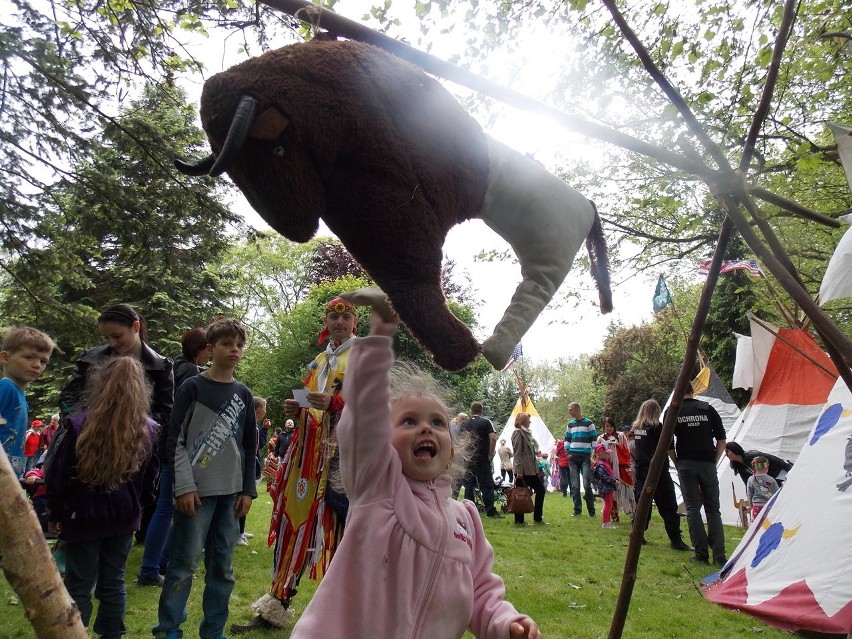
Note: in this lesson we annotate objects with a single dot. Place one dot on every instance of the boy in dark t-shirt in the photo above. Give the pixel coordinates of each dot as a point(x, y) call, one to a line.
point(211, 444)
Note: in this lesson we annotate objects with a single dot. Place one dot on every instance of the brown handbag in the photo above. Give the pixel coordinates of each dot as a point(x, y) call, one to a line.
point(519, 500)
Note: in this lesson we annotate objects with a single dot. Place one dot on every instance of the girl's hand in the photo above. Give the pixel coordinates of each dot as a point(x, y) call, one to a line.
point(383, 321)
point(526, 628)
point(381, 326)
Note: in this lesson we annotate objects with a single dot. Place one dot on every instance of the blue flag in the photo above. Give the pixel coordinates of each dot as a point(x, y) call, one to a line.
point(662, 297)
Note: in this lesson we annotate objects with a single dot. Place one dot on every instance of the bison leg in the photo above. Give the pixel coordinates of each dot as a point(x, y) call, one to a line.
point(400, 247)
point(545, 221)
point(426, 314)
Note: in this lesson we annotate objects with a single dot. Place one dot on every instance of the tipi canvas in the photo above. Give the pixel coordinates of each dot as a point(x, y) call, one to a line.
point(792, 568)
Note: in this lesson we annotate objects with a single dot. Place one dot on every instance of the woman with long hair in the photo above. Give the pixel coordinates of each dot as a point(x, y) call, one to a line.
point(525, 465)
point(741, 463)
point(103, 471)
point(646, 431)
point(195, 351)
point(126, 333)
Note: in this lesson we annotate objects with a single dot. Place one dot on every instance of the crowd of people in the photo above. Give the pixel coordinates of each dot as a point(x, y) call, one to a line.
point(177, 448)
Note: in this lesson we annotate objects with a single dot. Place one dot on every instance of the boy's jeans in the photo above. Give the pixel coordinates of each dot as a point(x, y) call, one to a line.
point(155, 555)
point(215, 530)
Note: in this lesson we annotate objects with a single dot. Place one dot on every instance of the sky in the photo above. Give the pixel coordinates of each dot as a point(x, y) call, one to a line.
point(560, 332)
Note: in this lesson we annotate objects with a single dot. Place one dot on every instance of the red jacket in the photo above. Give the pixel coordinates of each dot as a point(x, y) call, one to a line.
point(31, 443)
point(561, 455)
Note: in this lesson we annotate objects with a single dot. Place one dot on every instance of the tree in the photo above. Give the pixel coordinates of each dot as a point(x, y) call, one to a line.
point(123, 232)
point(574, 381)
point(498, 393)
point(329, 260)
point(271, 275)
point(66, 67)
point(638, 363)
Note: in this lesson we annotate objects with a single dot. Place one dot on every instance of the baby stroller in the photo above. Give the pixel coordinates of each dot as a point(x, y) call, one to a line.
point(499, 496)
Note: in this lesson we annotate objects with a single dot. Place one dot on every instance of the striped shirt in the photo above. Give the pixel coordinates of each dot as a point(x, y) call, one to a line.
point(580, 436)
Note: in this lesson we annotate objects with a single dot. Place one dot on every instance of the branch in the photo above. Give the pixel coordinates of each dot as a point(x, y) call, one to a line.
point(769, 86)
point(673, 95)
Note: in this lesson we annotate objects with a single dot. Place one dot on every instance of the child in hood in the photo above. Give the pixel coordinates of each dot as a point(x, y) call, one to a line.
point(604, 481)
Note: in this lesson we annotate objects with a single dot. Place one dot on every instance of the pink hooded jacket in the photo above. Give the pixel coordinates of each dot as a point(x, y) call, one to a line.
point(413, 563)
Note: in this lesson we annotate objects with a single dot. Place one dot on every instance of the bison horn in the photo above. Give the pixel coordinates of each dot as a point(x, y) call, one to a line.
point(202, 167)
point(237, 134)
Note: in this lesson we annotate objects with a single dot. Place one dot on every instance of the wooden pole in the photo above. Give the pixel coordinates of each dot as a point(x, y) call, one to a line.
point(28, 566)
point(643, 507)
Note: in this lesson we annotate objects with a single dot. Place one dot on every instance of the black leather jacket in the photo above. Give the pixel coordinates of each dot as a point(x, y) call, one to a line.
point(157, 368)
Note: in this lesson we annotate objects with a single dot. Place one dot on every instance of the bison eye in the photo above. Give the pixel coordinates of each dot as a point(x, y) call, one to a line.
point(278, 150)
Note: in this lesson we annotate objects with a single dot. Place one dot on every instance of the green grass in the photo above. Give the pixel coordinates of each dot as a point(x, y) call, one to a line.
point(565, 575)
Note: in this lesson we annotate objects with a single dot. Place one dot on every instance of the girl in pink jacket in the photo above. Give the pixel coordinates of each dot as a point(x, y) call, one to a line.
point(413, 562)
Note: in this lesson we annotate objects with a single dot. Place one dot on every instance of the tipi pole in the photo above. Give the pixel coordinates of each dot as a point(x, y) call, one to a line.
point(643, 506)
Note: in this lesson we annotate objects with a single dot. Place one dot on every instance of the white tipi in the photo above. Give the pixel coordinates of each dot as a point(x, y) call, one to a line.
point(792, 567)
point(542, 435)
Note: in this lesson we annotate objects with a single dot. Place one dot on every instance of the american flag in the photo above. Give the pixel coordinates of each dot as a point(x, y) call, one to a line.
point(517, 353)
point(734, 265)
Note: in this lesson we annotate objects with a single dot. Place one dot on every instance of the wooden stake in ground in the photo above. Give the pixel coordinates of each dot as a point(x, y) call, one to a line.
point(28, 566)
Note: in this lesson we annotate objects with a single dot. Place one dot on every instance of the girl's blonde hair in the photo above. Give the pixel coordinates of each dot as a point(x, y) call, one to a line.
point(519, 418)
point(115, 440)
point(649, 413)
point(409, 380)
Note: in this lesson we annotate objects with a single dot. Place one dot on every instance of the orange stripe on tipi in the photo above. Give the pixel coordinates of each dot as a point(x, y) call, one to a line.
point(792, 378)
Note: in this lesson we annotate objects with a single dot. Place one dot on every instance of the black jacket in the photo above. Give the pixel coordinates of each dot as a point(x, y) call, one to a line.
point(184, 368)
point(158, 369)
point(88, 513)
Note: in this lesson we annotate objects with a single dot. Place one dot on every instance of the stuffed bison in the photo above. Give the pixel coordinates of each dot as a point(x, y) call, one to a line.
point(346, 132)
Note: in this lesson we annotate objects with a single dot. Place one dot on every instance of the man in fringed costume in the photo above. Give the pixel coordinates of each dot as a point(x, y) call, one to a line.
point(308, 513)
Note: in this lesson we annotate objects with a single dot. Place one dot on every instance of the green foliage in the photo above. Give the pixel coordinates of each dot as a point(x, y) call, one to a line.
point(274, 364)
point(499, 393)
point(122, 229)
point(573, 380)
point(638, 363)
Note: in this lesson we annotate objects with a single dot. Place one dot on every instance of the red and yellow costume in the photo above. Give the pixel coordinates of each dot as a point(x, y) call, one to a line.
point(305, 528)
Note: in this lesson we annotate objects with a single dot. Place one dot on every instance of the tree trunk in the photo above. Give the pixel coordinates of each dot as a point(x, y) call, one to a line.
point(28, 565)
